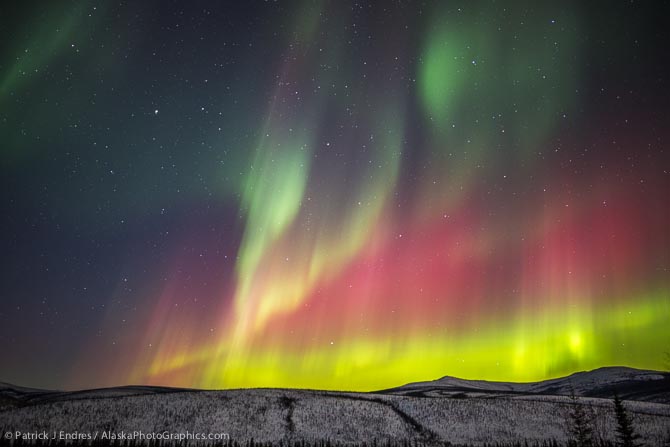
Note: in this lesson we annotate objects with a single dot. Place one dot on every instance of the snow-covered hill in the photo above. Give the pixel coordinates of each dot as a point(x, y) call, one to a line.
point(484, 413)
point(628, 383)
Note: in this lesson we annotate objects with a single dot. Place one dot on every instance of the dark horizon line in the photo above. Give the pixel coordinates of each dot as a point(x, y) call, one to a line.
point(191, 389)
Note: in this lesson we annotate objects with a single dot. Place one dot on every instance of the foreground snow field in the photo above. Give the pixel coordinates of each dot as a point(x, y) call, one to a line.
point(431, 412)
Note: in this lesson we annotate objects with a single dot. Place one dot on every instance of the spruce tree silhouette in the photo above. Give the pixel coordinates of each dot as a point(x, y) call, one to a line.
point(625, 432)
point(580, 423)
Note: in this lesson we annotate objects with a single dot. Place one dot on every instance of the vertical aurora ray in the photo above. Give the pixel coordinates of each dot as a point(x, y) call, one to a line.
point(273, 196)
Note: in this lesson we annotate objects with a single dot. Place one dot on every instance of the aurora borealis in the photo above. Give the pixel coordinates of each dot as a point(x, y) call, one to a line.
point(332, 195)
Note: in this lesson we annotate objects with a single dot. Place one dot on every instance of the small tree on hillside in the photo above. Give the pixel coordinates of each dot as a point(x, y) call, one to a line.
point(580, 423)
point(625, 433)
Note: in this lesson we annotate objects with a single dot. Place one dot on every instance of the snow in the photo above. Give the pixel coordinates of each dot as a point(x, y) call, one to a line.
point(485, 412)
point(275, 415)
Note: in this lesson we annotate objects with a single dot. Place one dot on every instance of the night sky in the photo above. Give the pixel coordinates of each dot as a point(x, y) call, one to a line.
point(336, 195)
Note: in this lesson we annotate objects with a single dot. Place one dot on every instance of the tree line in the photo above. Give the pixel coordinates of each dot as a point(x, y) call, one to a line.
point(581, 426)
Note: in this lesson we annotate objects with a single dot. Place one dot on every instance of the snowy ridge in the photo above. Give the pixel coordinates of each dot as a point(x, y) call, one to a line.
point(629, 383)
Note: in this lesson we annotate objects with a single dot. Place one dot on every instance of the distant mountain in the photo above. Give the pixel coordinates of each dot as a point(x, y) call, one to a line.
point(17, 395)
point(628, 383)
point(9, 388)
point(12, 394)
